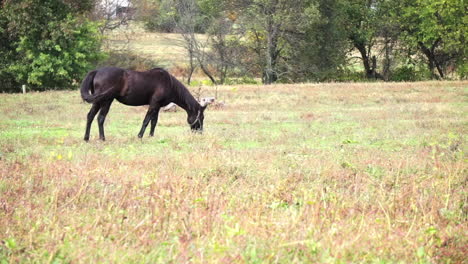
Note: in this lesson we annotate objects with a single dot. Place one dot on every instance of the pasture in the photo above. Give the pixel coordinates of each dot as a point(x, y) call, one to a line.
point(305, 173)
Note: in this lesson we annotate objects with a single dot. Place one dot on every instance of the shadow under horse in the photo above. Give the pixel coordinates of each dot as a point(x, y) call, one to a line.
point(156, 88)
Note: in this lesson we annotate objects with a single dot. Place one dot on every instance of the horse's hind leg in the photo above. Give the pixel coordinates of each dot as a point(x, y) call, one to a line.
point(152, 114)
point(154, 121)
point(102, 116)
point(91, 114)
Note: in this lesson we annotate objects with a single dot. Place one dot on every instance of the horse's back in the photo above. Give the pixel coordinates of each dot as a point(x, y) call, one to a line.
point(110, 71)
point(140, 88)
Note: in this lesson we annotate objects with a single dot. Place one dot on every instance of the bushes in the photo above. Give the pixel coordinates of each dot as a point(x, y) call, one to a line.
point(409, 73)
point(404, 73)
point(50, 46)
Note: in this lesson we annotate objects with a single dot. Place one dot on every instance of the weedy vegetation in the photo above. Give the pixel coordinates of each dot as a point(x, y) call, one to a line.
point(305, 173)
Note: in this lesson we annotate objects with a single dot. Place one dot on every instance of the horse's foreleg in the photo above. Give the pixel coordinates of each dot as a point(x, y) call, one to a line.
point(152, 111)
point(154, 121)
point(101, 117)
point(91, 114)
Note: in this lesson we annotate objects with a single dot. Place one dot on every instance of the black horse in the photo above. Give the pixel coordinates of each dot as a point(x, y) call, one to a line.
point(156, 88)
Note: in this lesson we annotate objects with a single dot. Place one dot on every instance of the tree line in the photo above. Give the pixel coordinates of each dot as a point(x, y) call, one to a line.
point(51, 44)
point(320, 40)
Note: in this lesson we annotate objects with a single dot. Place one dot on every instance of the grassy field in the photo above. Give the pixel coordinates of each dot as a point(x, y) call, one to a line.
point(310, 173)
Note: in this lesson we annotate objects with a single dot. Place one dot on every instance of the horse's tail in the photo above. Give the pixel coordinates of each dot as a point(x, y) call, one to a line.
point(87, 90)
point(87, 86)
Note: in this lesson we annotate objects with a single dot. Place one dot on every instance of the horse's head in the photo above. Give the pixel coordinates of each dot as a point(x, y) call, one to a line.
point(195, 119)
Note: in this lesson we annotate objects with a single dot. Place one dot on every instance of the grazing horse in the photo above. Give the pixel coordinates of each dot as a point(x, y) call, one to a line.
point(156, 88)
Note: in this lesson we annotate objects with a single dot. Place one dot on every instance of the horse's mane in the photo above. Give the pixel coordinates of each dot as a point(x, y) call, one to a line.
point(183, 94)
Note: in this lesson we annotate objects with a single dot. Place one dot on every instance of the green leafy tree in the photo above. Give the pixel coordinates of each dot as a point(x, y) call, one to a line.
point(360, 23)
point(226, 54)
point(389, 34)
point(164, 16)
point(7, 54)
point(51, 44)
point(272, 29)
point(157, 15)
point(322, 49)
point(438, 29)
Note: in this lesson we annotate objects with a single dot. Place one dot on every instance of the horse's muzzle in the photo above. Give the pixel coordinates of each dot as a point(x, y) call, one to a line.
point(197, 130)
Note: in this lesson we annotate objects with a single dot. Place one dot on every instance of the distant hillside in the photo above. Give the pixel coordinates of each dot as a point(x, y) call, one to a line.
point(164, 48)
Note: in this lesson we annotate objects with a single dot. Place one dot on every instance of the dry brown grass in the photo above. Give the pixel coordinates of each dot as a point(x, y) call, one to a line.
point(164, 48)
point(310, 173)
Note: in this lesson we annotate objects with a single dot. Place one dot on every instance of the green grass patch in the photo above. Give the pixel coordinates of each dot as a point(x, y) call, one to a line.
point(310, 173)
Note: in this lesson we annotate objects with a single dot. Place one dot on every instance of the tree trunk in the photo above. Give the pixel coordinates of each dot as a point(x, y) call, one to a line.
point(370, 63)
point(205, 70)
point(270, 73)
point(192, 67)
point(222, 47)
point(373, 74)
point(432, 61)
point(439, 68)
point(387, 60)
point(365, 59)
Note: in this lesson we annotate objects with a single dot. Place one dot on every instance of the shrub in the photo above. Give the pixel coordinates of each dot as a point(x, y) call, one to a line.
point(409, 73)
point(50, 47)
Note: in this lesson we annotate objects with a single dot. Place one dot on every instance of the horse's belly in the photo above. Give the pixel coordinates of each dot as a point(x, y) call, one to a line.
point(133, 100)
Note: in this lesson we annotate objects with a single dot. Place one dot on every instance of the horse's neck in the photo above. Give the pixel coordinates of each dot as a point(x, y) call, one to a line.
point(187, 101)
point(190, 109)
